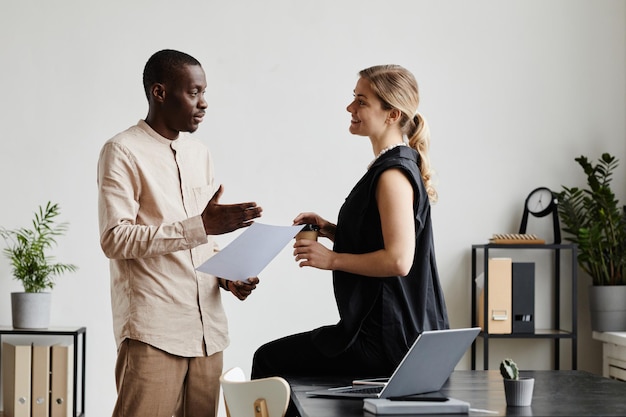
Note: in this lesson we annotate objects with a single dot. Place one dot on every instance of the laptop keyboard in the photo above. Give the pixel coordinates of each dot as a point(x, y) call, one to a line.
point(365, 390)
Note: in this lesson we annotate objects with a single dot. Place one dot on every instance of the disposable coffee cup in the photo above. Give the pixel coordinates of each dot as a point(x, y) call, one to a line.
point(309, 231)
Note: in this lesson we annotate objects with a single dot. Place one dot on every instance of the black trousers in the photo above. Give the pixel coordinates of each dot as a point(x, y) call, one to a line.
point(296, 355)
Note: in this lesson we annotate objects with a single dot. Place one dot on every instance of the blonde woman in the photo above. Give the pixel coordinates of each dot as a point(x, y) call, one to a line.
point(385, 276)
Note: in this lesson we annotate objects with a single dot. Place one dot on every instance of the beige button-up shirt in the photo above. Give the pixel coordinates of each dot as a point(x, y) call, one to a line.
point(151, 192)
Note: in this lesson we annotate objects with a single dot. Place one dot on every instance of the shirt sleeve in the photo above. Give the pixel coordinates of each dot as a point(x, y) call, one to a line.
point(119, 187)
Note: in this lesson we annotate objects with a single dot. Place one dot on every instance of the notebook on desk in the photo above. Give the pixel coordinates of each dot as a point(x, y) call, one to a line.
point(425, 368)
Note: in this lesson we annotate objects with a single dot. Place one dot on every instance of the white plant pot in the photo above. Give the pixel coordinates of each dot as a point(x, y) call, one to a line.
point(519, 392)
point(30, 310)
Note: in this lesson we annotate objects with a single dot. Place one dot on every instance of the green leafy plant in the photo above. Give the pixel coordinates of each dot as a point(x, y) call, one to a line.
point(593, 219)
point(27, 250)
point(508, 369)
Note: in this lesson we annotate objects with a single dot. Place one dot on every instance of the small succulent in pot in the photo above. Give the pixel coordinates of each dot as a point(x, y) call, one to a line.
point(518, 391)
point(509, 369)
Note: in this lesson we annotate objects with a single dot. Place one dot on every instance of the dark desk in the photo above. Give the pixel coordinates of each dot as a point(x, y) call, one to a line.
point(556, 393)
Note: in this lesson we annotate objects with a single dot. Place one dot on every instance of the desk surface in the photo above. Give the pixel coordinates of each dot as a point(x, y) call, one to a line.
point(556, 393)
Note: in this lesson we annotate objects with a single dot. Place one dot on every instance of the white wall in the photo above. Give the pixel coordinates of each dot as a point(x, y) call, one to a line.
point(513, 91)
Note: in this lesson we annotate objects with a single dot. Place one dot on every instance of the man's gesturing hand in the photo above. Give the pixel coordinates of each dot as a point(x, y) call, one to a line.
point(224, 218)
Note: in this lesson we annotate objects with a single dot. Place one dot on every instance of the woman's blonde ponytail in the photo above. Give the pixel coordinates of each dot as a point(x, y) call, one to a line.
point(396, 87)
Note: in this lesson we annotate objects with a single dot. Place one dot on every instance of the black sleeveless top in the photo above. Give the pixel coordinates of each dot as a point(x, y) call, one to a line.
point(408, 305)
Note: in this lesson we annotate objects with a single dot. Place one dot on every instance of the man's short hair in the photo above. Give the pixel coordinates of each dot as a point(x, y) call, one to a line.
point(163, 66)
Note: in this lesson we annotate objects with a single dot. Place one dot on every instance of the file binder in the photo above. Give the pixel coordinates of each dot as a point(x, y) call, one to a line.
point(523, 297)
point(499, 305)
point(61, 380)
point(40, 393)
point(16, 367)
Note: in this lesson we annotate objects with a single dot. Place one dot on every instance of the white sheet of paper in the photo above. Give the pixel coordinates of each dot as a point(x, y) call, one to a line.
point(250, 252)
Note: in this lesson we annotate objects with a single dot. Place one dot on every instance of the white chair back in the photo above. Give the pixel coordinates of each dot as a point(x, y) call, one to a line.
point(267, 397)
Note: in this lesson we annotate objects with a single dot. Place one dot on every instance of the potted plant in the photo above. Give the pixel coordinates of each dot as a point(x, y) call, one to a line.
point(518, 391)
point(26, 249)
point(593, 219)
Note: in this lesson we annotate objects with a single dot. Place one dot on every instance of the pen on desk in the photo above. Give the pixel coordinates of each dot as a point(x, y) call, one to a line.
point(434, 399)
point(480, 410)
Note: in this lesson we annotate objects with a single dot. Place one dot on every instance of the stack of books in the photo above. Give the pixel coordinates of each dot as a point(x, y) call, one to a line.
point(516, 239)
point(382, 406)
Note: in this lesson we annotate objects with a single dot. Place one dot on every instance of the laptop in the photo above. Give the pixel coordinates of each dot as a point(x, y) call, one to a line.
point(424, 369)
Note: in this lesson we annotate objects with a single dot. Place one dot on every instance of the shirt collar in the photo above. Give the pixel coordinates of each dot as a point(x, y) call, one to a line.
point(162, 139)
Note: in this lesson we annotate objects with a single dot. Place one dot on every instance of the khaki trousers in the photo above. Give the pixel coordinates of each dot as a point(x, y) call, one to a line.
point(154, 383)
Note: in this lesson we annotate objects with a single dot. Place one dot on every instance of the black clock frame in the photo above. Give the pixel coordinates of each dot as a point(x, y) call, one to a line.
point(552, 208)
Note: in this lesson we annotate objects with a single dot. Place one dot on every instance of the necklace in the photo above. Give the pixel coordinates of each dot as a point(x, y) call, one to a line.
point(384, 151)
